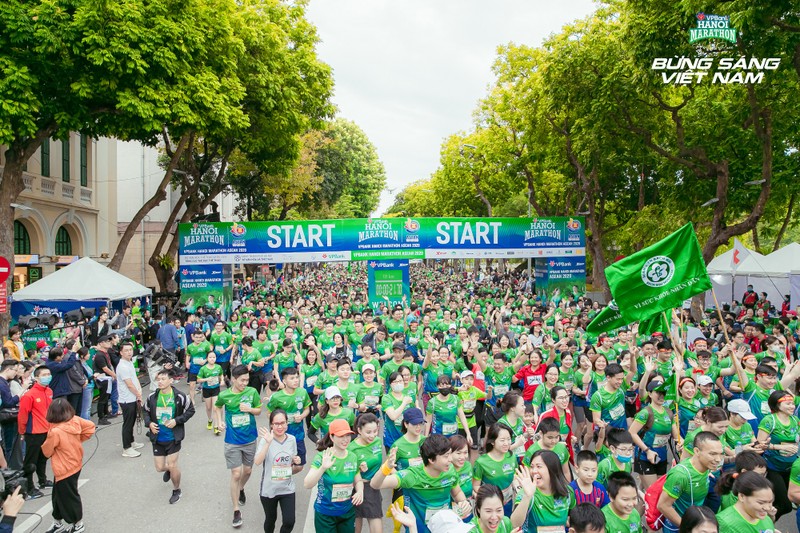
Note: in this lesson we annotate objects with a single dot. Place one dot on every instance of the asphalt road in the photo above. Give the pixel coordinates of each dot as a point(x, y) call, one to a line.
point(127, 495)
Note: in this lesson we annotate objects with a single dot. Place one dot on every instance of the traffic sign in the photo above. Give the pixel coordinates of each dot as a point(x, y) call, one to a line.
point(5, 269)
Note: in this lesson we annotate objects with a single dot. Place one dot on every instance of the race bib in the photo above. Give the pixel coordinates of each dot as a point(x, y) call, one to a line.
point(213, 381)
point(163, 414)
point(449, 429)
point(659, 441)
point(550, 529)
point(500, 390)
point(765, 408)
point(341, 492)
point(617, 411)
point(469, 405)
point(568, 385)
point(430, 511)
point(240, 420)
point(479, 376)
point(197, 360)
point(281, 473)
point(519, 451)
point(692, 425)
point(415, 461)
point(311, 380)
point(220, 349)
point(371, 400)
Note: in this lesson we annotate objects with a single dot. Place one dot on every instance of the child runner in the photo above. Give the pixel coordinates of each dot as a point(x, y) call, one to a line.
point(210, 377)
point(621, 514)
point(585, 484)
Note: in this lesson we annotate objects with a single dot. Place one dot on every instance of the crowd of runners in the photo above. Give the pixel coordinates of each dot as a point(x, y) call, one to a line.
point(476, 406)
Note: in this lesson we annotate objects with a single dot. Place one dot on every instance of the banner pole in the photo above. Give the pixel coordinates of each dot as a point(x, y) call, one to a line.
point(719, 312)
point(677, 378)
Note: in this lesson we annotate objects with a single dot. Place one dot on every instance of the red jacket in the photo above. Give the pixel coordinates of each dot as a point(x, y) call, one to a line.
point(552, 413)
point(530, 380)
point(33, 406)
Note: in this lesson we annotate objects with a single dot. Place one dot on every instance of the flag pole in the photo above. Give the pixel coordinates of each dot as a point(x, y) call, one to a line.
point(719, 312)
point(677, 397)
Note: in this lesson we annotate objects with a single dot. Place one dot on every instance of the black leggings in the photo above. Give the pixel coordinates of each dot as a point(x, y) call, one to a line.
point(270, 505)
point(780, 484)
point(67, 504)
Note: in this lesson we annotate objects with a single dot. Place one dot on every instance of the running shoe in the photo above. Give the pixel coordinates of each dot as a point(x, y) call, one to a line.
point(237, 519)
point(210, 425)
point(242, 498)
point(166, 477)
point(176, 495)
point(217, 431)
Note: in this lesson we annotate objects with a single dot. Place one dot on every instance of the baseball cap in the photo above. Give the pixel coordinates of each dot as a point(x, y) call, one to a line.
point(40, 344)
point(741, 408)
point(447, 521)
point(332, 392)
point(654, 385)
point(536, 323)
point(704, 380)
point(399, 346)
point(466, 373)
point(413, 416)
point(452, 326)
point(366, 367)
point(340, 427)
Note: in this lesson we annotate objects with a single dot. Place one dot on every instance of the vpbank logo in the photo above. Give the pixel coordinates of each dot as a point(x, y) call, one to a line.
point(658, 271)
point(238, 230)
point(712, 27)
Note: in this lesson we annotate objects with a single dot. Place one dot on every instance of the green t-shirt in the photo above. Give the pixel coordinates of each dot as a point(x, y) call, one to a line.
point(465, 478)
point(686, 485)
point(617, 524)
point(265, 347)
point(197, 355)
point(359, 365)
point(547, 510)
point(541, 399)
point(210, 371)
point(323, 424)
point(372, 454)
point(497, 473)
point(389, 367)
point(517, 429)
point(325, 380)
point(336, 486)
point(732, 519)
point(165, 411)
point(240, 428)
point(560, 450)
point(221, 341)
point(657, 437)
point(370, 395)
point(737, 438)
point(610, 405)
point(469, 400)
point(294, 404)
point(445, 414)
point(253, 356)
point(425, 495)
point(408, 453)
point(780, 433)
point(499, 382)
point(608, 466)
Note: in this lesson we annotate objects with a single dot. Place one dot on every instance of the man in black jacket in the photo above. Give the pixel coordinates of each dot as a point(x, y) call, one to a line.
point(165, 413)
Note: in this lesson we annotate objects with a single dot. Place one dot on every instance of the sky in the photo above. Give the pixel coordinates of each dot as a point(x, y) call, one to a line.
point(410, 73)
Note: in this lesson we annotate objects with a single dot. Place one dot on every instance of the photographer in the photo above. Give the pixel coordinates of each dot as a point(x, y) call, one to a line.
point(158, 359)
point(11, 507)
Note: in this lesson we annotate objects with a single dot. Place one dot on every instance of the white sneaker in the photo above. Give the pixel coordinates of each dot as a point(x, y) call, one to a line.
point(130, 452)
point(137, 445)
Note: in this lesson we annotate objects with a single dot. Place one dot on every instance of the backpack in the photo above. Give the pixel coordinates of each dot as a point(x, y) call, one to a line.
point(653, 517)
point(650, 419)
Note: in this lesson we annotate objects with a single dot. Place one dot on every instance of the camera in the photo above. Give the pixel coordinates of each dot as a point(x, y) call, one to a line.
point(10, 480)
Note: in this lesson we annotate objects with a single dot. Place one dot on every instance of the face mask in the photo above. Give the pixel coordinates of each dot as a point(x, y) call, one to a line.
point(444, 391)
point(45, 381)
point(624, 458)
point(776, 348)
point(397, 387)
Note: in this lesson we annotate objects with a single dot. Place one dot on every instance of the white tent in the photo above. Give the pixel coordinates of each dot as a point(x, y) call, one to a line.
point(84, 279)
point(768, 274)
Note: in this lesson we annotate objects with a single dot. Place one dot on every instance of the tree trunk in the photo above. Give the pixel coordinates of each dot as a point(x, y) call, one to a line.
point(477, 180)
point(163, 275)
point(159, 196)
point(11, 186)
point(756, 241)
point(786, 220)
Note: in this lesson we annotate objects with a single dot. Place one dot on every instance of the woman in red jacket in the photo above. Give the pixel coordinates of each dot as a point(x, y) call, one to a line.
point(561, 412)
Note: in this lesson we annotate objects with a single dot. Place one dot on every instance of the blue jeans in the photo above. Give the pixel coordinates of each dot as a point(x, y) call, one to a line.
point(114, 398)
point(86, 403)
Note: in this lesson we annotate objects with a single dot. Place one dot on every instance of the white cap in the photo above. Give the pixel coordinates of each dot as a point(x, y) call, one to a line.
point(466, 373)
point(452, 326)
point(332, 392)
point(368, 366)
point(447, 521)
point(741, 408)
point(704, 380)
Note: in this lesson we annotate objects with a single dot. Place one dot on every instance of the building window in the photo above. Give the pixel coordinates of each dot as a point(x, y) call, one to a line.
point(22, 241)
point(84, 158)
point(65, 160)
point(45, 154)
point(63, 242)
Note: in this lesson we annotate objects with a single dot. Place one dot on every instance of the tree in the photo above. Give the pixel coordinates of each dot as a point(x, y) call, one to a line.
point(119, 69)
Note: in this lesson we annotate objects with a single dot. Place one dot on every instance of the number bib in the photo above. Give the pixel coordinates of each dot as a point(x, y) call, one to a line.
point(550, 529)
point(430, 511)
point(213, 381)
point(508, 493)
point(241, 420)
point(469, 405)
point(519, 451)
point(659, 441)
point(371, 400)
point(415, 461)
point(341, 492)
point(311, 380)
point(198, 360)
point(219, 349)
point(692, 425)
point(617, 411)
point(500, 390)
point(281, 473)
point(163, 413)
point(449, 429)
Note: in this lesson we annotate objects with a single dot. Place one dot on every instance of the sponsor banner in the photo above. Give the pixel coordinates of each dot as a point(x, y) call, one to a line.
point(388, 283)
point(386, 238)
point(206, 286)
point(55, 307)
point(560, 278)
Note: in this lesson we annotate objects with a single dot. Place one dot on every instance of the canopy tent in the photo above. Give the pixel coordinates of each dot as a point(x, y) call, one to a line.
point(84, 283)
point(768, 274)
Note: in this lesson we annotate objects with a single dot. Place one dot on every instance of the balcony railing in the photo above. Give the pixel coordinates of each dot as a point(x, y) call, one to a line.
point(48, 186)
point(86, 195)
point(67, 191)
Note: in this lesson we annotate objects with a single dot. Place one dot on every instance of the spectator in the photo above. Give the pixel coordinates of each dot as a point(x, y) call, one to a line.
point(88, 390)
point(60, 366)
point(130, 397)
point(105, 374)
point(168, 335)
point(14, 343)
point(8, 403)
point(11, 507)
point(32, 423)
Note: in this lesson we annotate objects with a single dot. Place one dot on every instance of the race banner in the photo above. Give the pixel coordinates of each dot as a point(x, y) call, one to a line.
point(206, 286)
point(659, 277)
point(206, 243)
point(558, 278)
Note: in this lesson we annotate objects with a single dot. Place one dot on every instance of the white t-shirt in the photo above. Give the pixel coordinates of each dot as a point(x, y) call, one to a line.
point(277, 477)
point(125, 370)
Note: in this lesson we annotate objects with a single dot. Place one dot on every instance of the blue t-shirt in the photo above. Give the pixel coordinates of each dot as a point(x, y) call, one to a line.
point(598, 497)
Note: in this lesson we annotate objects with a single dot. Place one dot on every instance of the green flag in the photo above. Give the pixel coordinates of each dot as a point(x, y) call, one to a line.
point(659, 277)
point(653, 324)
point(607, 319)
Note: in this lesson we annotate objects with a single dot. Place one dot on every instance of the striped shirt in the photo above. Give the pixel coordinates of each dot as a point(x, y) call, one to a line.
point(598, 496)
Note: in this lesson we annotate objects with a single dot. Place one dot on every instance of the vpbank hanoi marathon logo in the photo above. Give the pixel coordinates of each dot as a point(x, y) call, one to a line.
point(657, 271)
point(412, 227)
point(238, 230)
point(712, 27)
